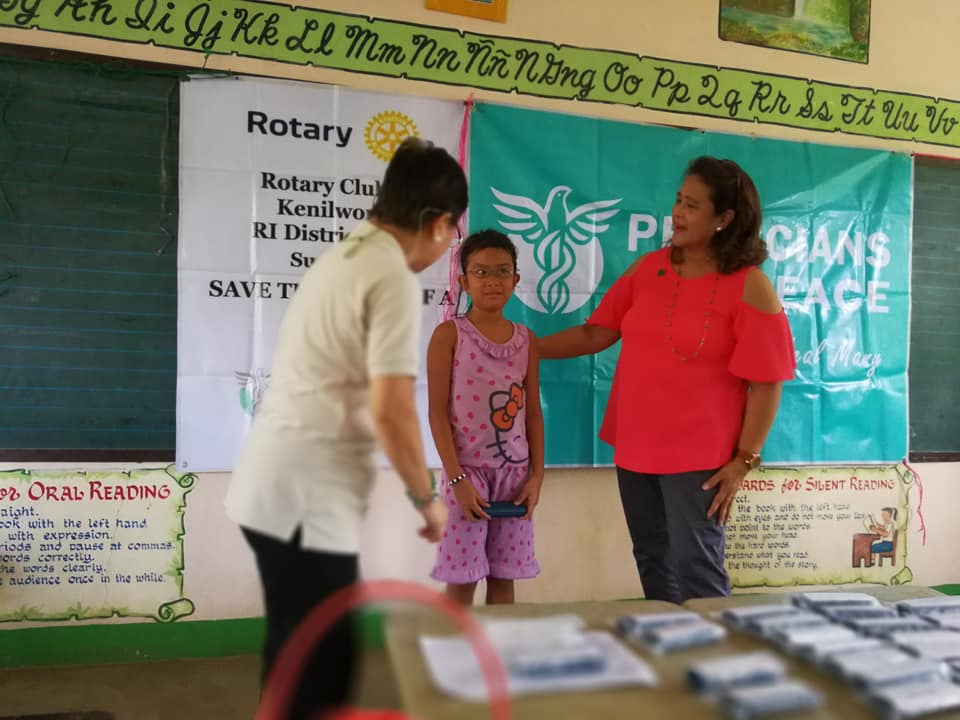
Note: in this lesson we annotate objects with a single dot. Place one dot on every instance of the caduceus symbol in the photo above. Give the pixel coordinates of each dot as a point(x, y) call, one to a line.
point(554, 230)
point(252, 386)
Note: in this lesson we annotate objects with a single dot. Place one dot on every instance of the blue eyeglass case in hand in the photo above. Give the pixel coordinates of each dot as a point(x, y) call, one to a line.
point(504, 509)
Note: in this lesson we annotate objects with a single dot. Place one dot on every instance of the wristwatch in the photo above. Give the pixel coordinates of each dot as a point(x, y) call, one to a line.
point(751, 459)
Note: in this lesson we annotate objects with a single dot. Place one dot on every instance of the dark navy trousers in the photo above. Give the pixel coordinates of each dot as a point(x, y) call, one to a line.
point(678, 549)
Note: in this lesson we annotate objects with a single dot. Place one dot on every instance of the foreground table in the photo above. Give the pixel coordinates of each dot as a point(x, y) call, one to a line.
point(423, 701)
point(670, 699)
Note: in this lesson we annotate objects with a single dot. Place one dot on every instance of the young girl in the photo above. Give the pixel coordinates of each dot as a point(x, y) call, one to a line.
point(487, 424)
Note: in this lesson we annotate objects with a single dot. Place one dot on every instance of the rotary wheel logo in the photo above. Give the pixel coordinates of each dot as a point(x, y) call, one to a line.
point(386, 131)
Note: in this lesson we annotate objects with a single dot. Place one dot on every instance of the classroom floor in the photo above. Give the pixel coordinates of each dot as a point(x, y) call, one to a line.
point(196, 689)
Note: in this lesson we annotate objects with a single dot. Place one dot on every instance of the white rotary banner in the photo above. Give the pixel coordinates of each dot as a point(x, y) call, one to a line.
point(272, 173)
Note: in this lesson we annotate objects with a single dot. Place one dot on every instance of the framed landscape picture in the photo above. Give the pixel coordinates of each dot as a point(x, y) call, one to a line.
point(482, 9)
point(833, 28)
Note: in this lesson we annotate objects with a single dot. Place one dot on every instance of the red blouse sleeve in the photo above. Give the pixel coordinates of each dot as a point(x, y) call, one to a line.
point(615, 303)
point(763, 346)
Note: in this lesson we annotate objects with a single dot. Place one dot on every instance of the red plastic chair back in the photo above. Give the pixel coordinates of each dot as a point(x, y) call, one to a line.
point(284, 678)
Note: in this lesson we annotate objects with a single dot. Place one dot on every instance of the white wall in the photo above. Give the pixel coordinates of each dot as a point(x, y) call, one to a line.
point(581, 540)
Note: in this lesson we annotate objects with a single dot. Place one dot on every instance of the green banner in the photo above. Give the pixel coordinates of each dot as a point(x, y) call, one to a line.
point(837, 223)
point(357, 43)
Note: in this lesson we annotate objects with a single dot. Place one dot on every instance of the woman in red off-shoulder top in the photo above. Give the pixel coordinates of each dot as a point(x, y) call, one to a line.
point(706, 349)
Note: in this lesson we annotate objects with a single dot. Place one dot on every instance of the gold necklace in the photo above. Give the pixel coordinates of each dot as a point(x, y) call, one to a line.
point(706, 318)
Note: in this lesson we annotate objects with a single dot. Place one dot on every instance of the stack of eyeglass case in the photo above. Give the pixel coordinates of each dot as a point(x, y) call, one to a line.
point(905, 658)
point(902, 658)
point(669, 632)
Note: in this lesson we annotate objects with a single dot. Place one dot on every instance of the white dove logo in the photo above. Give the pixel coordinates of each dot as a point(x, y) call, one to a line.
point(560, 242)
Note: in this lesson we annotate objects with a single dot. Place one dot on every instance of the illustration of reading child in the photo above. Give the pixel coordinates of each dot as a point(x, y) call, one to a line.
point(885, 529)
point(485, 415)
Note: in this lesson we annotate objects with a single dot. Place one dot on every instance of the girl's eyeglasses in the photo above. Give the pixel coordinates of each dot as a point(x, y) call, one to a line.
point(503, 272)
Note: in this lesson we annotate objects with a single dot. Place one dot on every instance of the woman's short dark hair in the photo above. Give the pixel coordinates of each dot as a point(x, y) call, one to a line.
point(483, 240)
point(739, 244)
point(421, 183)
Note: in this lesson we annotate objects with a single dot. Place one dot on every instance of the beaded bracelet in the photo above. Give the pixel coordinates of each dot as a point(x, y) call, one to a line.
point(458, 478)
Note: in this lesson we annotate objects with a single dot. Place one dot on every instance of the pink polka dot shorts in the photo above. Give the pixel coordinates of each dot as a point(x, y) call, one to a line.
point(500, 548)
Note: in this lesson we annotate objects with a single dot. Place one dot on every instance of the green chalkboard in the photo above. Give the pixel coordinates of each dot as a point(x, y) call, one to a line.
point(88, 218)
point(935, 318)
